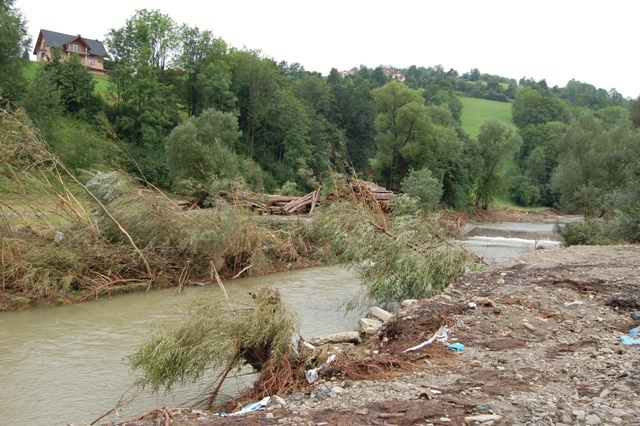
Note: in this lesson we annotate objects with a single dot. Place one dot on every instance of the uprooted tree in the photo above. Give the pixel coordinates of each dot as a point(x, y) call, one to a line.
point(216, 337)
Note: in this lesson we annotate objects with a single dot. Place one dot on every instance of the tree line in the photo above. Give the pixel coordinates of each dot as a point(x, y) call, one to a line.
point(192, 112)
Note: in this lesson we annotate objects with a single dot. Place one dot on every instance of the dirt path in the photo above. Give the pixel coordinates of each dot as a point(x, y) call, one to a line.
point(542, 347)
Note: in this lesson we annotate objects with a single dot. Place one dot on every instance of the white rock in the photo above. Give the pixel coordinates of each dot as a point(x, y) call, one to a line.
point(482, 418)
point(380, 313)
point(344, 337)
point(369, 326)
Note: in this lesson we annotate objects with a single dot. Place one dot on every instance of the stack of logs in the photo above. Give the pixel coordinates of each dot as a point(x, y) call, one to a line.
point(285, 205)
point(358, 191)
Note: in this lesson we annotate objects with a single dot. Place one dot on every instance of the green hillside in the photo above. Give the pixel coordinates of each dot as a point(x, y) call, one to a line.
point(477, 111)
point(102, 81)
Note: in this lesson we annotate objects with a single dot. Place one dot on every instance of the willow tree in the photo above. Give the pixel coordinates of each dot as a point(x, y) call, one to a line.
point(402, 121)
point(497, 144)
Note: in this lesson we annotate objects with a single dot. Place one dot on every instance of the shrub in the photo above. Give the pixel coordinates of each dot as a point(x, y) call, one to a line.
point(421, 184)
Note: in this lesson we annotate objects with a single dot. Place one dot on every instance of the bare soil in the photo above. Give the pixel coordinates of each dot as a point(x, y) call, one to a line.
point(541, 346)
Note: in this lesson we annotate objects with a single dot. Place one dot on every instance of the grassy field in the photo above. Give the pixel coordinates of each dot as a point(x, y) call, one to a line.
point(477, 111)
point(102, 81)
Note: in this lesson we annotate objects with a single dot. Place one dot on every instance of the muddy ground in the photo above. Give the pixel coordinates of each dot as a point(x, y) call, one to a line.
point(541, 347)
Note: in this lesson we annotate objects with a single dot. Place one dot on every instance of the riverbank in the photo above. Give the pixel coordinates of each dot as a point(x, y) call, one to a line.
point(542, 346)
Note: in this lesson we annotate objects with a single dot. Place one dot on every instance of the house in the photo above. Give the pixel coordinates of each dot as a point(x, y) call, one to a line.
point(398, 76)
point(91, 52)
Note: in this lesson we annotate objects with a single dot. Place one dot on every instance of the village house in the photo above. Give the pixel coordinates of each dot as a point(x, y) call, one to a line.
point(91, 52)
point(398, 76)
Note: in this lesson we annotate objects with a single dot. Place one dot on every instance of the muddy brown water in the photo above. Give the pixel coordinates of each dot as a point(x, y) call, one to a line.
point(67, 364)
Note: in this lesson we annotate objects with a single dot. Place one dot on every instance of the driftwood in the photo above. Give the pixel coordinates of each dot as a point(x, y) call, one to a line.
point(286, 205)
point(357, 190)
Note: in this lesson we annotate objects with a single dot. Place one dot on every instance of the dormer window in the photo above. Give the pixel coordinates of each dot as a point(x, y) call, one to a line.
point(74, 47)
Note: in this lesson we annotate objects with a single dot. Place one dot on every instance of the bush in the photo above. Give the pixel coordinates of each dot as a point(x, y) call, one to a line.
point(587, 232)
point(395, 259)
point(422, 185)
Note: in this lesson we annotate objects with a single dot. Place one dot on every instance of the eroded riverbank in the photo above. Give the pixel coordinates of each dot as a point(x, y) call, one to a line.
point(542, 347)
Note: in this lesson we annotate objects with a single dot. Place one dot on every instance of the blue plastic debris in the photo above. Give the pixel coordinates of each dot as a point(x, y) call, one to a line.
point(629, 340)
point(254, 406)
point(458, 347)
point(634, 332)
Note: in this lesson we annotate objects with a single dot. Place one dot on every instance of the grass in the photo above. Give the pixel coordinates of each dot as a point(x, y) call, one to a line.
point(477, 111)
point(103, 84)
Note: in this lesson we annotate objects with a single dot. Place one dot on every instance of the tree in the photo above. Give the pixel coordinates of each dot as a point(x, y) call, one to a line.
point(635, 113)
point(43, 103)
point(592, 163)
point(422, 185)
point(207, 79)
point(536, 107)
point(201, 147)
point(13, 42)
point(75, 82)
point(401, 123)
point(148, 39)
point(497, 143)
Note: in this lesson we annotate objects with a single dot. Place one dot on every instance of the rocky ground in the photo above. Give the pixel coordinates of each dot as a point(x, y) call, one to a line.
point(541, 347)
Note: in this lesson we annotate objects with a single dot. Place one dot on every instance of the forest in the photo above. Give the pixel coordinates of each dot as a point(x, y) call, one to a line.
point(192, 112)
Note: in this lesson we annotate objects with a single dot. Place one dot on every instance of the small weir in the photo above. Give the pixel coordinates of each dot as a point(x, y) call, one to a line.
point(497, 242)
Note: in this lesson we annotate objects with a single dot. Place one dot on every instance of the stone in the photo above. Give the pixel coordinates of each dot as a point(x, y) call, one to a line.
point(409, 302)
point(579, 414)
point(344, 337)
point(616, 420)
point(592, 419)
point(399, 387)
point(337, 389)
point(269, 416)
point(619, 413)
point(482, 418)
point(369, 326)
point(380, 313)
point(279, 400)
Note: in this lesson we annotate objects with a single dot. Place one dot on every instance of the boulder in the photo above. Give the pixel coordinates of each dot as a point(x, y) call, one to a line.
point(380, 313)
point(368, 326)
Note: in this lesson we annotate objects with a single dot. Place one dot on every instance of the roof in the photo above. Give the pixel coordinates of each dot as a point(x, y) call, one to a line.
point(53, 38)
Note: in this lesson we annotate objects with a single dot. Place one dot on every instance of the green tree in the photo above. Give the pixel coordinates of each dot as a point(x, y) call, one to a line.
point(207, 79)
point(533, 106)
point(13, 42)
point(401, 128)
point(592, 163)
point(202, 147)
point(421, 184)
point(353, 110)
point(635, 113)
point(43, 103)
point(148, 39)
point(496, 145)
point(75, 83)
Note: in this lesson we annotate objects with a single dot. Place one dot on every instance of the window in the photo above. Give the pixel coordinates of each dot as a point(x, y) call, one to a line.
point(92, 61)
point(74, 47)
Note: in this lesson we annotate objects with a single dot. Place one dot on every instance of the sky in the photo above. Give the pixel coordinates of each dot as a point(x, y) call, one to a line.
point(592, 42)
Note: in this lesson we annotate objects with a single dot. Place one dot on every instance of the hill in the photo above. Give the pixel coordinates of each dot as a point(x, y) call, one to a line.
point(477, 111)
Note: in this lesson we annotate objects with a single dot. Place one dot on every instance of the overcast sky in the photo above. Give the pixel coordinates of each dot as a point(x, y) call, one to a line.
point(593, 42)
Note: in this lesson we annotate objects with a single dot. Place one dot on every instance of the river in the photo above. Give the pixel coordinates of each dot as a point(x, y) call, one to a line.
point(67, 364)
